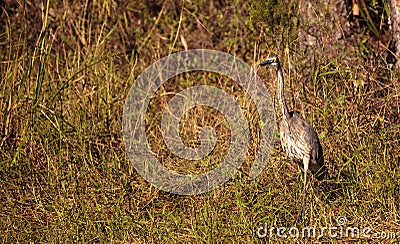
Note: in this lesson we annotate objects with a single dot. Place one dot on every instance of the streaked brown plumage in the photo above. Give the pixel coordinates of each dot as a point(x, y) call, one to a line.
point(298, 138)
point(301, 144)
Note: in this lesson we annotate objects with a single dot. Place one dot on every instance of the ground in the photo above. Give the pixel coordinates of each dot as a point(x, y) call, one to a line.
point(66, 70)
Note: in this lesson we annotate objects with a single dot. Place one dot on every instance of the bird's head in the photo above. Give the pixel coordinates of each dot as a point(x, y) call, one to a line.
point(272, 60)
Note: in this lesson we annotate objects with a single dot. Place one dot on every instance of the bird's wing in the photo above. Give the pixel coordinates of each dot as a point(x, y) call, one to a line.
point(303, 133)
point(304, 136)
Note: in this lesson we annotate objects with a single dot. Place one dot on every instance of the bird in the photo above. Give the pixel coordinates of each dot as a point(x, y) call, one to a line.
point(298, 138)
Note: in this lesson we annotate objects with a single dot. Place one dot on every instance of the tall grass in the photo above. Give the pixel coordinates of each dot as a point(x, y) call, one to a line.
point(66, 69)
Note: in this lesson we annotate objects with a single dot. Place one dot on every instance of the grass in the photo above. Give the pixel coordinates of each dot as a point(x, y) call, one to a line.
point(66, 69)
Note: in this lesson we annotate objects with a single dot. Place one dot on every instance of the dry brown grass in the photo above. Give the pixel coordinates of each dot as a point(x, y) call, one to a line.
point(66, 69)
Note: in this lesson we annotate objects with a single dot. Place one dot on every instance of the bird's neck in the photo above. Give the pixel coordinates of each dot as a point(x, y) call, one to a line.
point(282, 100)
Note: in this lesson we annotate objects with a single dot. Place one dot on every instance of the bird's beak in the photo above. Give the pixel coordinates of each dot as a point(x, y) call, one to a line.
point(266, 62)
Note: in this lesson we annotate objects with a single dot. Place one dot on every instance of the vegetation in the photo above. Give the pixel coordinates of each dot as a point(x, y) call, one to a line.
point(67, 67)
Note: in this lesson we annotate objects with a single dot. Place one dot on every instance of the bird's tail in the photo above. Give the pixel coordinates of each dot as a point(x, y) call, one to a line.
point(318, 169)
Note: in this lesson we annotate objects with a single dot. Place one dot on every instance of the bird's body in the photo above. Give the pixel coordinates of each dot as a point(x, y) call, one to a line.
point(301, 143)
point(298, 138)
